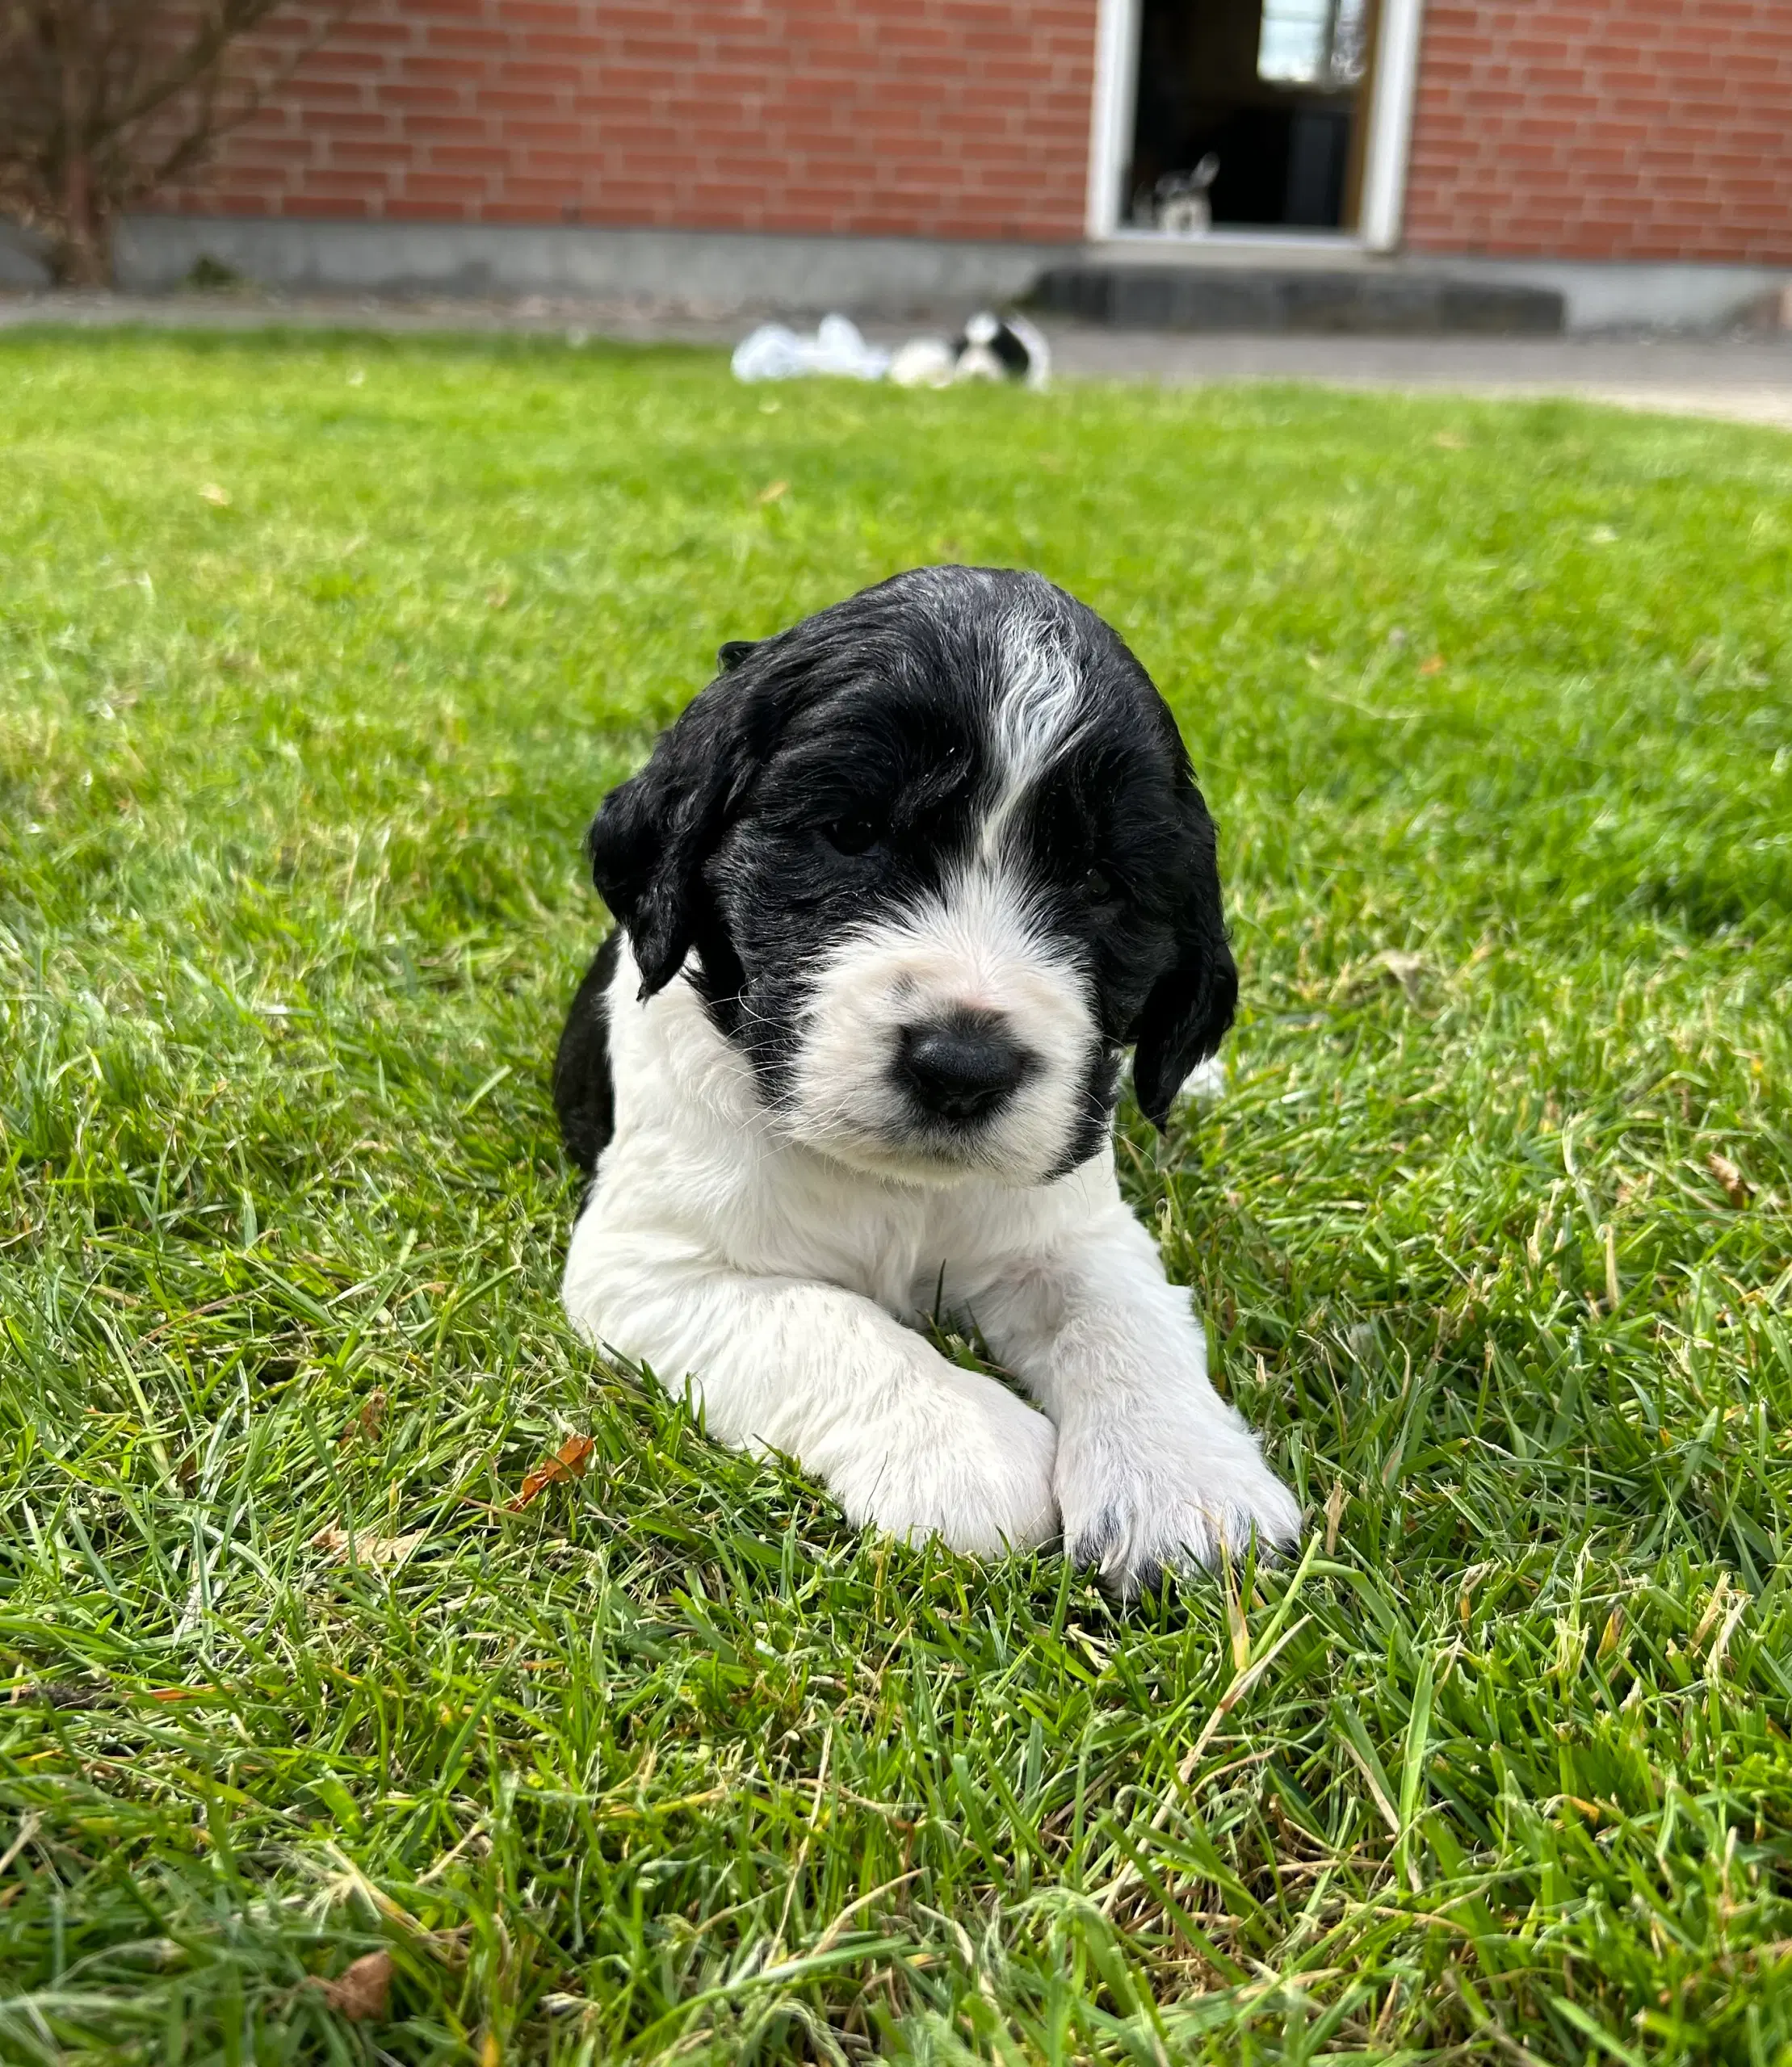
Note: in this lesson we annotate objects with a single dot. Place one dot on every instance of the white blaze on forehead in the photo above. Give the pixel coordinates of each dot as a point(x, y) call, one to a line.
point(1041, 706)
point(978, 937)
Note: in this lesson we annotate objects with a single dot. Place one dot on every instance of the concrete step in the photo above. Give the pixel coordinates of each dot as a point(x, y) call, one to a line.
point(1365, 300)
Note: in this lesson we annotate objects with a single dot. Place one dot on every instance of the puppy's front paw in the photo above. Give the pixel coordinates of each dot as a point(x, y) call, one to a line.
point(1137, 1499)
point(955, 1456)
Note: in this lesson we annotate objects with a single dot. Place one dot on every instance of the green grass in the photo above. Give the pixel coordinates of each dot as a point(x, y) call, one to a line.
point(314, 657)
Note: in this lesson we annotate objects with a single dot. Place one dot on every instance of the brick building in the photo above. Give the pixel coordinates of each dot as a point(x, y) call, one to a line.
point(1637, 151)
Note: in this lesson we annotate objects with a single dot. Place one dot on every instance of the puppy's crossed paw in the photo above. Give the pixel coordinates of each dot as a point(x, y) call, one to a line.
point(972, 1466)
point(1138, 1504)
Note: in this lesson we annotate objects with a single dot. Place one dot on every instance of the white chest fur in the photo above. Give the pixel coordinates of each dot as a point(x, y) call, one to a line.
point(774, 1284)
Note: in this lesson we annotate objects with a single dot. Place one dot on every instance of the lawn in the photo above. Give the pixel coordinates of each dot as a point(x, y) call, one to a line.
point(315, 656)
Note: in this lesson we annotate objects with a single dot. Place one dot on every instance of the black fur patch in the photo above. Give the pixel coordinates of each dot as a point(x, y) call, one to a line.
point(583, 1094)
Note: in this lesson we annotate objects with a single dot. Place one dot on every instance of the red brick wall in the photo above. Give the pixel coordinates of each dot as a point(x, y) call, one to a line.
point(1605, 129)
point(936, 118)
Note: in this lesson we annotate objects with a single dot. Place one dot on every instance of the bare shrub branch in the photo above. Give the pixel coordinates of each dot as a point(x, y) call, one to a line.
point(104, 101)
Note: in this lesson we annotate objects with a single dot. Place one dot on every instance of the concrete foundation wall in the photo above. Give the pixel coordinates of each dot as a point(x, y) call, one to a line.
point(1611, 296)
point(19, 267)
point(716, 272)
point(700, 270)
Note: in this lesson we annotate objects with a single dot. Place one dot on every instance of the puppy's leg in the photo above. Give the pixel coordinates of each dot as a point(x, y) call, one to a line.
point(902, 1439)
point(1153, 1468)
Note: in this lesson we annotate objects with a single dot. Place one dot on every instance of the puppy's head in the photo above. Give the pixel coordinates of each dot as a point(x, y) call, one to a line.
point(932, 857)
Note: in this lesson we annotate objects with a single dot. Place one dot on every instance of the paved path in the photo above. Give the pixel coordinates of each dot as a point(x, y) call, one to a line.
point(1746, 377)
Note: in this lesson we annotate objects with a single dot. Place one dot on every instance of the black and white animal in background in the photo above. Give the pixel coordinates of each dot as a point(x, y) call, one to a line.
point(894, 894)
point(1001, 348)
point(1183, 201)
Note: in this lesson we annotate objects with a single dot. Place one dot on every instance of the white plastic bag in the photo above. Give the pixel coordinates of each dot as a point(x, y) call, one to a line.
point(774, 353)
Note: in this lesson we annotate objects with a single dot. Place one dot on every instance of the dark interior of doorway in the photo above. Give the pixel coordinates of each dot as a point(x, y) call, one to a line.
point(1274, 89)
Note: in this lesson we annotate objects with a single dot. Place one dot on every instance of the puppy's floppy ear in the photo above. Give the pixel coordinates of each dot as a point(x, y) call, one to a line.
point(1190, 1005)
point(652, 834)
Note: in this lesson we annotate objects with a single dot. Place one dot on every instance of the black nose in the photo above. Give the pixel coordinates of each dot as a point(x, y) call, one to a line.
point(963, 1067)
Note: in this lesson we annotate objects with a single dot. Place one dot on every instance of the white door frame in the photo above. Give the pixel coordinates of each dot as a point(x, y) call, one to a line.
point(1390, 96)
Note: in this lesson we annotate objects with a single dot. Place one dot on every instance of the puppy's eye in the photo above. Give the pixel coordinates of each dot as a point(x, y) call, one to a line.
point(857, 834)
point(1097, 887)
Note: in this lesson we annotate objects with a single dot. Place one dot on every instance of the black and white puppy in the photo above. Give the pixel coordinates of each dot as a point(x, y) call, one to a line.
point(895, 892)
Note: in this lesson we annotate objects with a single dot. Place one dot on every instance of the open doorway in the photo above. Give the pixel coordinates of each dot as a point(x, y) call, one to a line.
point(1249, 115)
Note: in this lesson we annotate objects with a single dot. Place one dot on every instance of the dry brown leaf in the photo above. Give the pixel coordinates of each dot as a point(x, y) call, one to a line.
point(1471, 1578)
point(1613, 1630)
point(1736, 1187)
point(367, 1422)
point(361, 1992)
point(569, 1462)
point(771, 493)
point(369, 1548)
point(1434, 666)
point(1334, 1515)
